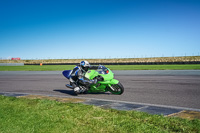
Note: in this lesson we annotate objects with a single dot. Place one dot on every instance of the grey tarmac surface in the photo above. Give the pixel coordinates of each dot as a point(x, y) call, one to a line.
point(166, 88)
point(117, 72)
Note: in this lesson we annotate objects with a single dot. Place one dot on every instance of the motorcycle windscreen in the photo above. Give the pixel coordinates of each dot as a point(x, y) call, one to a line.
point(67, 73)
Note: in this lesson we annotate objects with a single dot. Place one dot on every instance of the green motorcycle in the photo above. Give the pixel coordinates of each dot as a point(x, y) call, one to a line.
point(105, 78)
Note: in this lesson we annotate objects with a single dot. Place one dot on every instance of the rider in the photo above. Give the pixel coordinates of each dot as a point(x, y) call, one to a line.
point(78, 76)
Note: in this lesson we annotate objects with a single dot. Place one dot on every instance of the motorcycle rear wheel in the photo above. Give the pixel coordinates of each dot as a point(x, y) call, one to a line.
point(117, 89)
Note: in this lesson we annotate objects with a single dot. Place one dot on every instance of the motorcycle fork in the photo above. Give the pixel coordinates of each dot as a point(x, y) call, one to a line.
point(111, 87)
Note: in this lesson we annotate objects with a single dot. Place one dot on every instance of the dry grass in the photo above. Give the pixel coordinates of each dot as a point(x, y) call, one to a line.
point(60, 99)
point(117, 60)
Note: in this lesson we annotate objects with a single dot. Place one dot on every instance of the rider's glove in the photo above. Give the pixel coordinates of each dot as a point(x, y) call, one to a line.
point(93, 81)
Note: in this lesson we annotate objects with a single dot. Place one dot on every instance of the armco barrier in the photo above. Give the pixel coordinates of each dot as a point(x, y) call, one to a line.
point(11, 64)
point(128, 63)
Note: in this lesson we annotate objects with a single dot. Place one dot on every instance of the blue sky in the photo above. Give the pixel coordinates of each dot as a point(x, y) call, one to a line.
point(43, 29)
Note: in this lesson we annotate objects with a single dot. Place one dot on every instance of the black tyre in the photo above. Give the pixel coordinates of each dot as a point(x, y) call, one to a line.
point(117, 89)
point(76, 93)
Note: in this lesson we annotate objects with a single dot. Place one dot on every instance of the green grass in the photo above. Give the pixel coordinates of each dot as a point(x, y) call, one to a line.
point(112, 67)
point(37, 68)
point(155, 67)
point(19, 115)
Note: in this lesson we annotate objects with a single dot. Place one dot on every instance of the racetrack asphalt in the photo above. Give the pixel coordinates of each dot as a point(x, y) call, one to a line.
point(167, 88)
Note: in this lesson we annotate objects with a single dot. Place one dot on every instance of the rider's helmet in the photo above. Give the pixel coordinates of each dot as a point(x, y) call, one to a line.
point(85, 65)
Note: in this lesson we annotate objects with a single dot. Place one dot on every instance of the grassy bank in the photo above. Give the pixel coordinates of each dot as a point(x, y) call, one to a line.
point(154, 67)
point(115, 60)
point(26, 115)
point(112, 67)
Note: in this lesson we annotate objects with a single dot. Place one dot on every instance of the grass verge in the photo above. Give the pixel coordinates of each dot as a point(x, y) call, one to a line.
point(112, 67)
point(36, 115)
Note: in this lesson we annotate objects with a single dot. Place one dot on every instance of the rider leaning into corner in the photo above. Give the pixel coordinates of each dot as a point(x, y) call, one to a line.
point(78, 76)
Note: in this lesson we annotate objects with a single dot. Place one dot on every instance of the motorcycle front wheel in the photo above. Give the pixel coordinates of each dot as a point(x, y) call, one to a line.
point(117, 89)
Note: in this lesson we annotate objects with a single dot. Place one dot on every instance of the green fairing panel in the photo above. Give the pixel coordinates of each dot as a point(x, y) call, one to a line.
point(101, 88)
point(109, 76)
point(91, 74)
point(114, 81)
